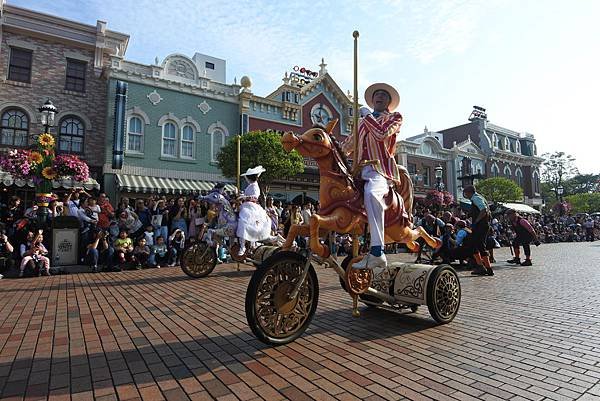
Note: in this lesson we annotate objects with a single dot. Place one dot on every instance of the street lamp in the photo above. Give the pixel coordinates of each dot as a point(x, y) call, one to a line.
point(560, 191)
point(439, 171)
point(47, 111)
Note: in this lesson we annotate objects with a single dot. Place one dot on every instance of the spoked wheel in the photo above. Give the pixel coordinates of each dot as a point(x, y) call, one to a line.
point(272, 315)
point(199, 260)
point(443, 294)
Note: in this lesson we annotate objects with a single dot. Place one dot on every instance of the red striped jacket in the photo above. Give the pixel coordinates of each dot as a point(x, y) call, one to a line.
point(377, 136)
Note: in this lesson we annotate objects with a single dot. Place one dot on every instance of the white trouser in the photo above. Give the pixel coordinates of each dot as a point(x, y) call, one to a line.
point(376, 187)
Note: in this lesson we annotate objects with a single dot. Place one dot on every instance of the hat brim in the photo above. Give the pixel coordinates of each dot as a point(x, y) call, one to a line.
point(258, 170)
point(394, 95)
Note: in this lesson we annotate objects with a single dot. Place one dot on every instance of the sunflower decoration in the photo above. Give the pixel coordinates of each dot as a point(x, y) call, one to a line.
point(49, 173)
point(46, 140)
point(36, 157)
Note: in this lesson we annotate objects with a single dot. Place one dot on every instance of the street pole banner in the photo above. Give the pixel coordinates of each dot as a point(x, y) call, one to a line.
point(119, 128)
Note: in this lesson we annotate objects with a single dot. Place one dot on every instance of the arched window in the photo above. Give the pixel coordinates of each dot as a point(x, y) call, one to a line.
point(187, 142)
point(495, 170)
point(506, 144)
point(71, 135)
point(518, 146)
point(169, 140)
point(135, 135)
point(507, 173)
point(14, 127)
point(217, 142)
point(536, 182)
point(495, 140)
point(519, 177)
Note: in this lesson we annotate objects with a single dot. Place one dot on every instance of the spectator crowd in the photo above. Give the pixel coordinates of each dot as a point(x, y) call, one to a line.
point(153, 232)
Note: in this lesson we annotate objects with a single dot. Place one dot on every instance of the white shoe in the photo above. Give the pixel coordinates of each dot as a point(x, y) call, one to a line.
point(370, 262)
point(241, 252)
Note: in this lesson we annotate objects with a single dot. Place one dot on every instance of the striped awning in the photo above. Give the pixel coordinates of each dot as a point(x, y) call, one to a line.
point(147, 184)
point(7, 180)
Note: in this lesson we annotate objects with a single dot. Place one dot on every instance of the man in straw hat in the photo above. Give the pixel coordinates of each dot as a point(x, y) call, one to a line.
point(377, 131)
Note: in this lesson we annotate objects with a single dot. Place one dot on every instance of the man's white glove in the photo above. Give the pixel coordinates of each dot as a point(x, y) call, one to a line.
point(364, 111)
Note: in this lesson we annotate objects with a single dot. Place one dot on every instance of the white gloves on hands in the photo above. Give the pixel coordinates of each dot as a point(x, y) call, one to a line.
point(364, 111)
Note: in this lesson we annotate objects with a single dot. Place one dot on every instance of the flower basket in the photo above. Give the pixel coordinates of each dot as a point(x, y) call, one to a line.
point(41, 165)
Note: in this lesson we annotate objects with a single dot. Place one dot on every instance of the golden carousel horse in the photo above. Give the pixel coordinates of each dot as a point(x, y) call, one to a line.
point(341, 197)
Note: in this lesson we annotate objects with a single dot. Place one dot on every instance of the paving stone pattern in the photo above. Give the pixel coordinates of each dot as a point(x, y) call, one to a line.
point(526, 334)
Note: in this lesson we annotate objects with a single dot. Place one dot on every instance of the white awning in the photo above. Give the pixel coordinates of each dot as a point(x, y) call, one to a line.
point(7, 180)
point(147, 184)
point(519, 207)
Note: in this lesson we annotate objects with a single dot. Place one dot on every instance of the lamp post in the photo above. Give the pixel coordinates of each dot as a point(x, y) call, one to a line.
point(439, 171)
point(47, 111)
point(43, 188)
point(560, 191)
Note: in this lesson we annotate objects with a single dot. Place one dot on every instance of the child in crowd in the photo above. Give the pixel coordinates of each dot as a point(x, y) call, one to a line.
point(176, 245)
point(123, 248)
point(160, 255)
point(34, 254)
point(141, 253)
point(149, 235)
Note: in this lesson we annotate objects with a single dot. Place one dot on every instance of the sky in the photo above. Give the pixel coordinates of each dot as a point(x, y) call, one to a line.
point(534, 65)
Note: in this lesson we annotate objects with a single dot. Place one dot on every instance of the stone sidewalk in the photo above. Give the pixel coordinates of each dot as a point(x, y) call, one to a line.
point(527, 333)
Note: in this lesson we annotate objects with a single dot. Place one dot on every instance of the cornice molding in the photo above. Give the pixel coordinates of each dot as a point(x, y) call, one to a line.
point(154, 83)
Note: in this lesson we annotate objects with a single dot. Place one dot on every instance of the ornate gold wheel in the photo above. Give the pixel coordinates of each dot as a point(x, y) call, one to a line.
point(198, 260)
point(274, 316)
point(444, 295)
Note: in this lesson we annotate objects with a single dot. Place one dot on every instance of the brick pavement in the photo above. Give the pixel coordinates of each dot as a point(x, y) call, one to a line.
point(525, 334)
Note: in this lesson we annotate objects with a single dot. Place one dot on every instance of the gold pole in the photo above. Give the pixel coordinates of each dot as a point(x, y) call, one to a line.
point(238, 163)
point(355, 160)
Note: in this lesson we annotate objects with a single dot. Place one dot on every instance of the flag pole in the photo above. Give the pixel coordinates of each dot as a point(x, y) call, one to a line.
point(238, 163)
point(355, 160)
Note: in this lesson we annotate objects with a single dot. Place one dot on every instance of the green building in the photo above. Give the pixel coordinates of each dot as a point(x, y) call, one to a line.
point(179, 113)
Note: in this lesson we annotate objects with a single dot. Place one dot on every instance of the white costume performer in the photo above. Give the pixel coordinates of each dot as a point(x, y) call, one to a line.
point(253, 222)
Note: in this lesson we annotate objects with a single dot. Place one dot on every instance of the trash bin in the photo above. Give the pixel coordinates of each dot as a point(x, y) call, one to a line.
point(65, 241)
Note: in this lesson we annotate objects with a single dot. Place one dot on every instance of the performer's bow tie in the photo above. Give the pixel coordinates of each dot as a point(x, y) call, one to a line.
point(376, 114)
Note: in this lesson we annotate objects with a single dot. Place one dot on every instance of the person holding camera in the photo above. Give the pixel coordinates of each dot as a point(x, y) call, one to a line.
point(525, 235)
point(98, 247)
point(33, 253)
point(6, 253)
point(10, 214)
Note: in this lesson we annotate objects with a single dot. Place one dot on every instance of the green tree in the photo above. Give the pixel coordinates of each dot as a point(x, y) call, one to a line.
point(584, 203)
point(260, 148)
point(582, 184)
point(556, 168)
point(500, 189)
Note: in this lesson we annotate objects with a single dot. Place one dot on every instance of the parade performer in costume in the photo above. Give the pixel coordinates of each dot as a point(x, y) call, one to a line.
point(525, 235)
point(480, 226)
point(377, 132)
point(253, 222)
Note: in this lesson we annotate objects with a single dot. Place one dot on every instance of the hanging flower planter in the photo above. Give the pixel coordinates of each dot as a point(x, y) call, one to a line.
point(41, 165)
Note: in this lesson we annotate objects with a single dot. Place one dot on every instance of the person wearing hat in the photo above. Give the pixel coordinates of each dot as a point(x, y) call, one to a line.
point(377, 131)
point(253, 222)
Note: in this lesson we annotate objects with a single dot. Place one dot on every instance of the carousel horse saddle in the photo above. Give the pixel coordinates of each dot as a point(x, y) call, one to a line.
point(394, 204)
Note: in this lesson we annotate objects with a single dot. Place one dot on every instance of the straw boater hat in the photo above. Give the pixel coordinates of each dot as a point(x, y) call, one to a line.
point(394, 96)
point(258, 170)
